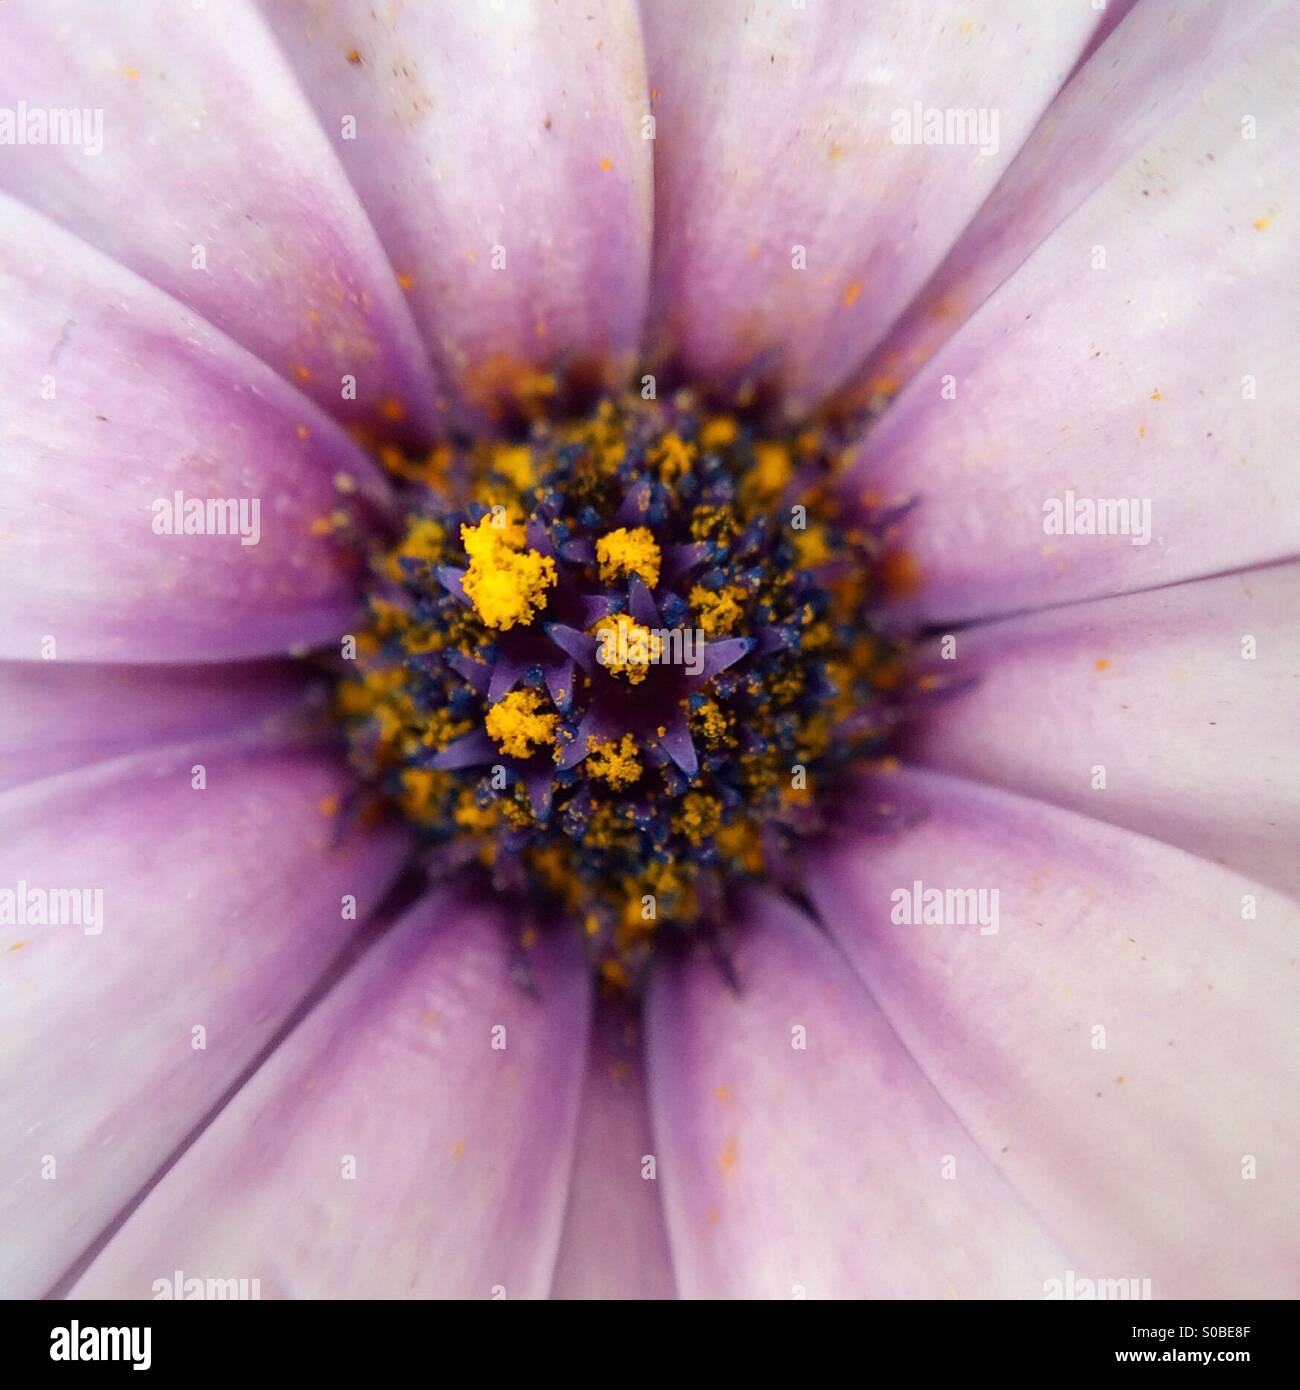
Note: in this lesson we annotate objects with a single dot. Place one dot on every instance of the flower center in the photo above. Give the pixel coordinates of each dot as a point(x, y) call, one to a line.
point(619, 665)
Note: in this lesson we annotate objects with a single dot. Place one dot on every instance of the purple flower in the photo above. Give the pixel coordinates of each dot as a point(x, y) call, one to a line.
point(1026, 1018)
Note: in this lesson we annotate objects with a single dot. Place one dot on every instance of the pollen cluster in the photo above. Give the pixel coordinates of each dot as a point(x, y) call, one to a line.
point(616, 665)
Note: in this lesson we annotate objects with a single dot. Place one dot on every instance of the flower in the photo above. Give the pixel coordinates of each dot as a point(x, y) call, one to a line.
point(1029, 1014)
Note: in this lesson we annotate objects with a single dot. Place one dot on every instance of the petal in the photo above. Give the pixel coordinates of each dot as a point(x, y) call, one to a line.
point(780, 127)
point(220, 908)
point(448, 1092)
point(1125, 1040)
point(1186, 696)
point(116, 400)
point(1113, 107)
point(804, 1153)
point(55, 716)
point(615, 1243)
point(1144, 353)
point(213, 180)
point(499, 152)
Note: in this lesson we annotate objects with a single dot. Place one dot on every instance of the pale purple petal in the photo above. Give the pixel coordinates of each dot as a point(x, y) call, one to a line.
point(216, 182)
point(499, 152)
point(1124, 1044)
point(802, 1151)
point(1185, 697)
point(116, 400)
point(411, 1139)
point(1163, 57)
point(1145, 353)
point(220, 908)
point(615, 1243)
point(55, 716)
point(774, 133)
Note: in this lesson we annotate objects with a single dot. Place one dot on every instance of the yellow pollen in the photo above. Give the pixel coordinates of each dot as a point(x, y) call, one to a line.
point(720, 430)
point(627, 648)
point(421, 788)
point(517, 727)
point(515, 461)
point(713, 524)
point(506, 583)
point(673, 457)
point(425, 539)
point(470, 815)
point(710, 722)
point(717, 610)
point(772, 470)
point(699, 816)
point(741, 843)
point(614, 763)
point(623, 552)
point(811, 547)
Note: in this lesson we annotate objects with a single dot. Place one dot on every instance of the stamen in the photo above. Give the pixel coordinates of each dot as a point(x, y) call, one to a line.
point(505, 582)
point(518, 725)
point(623, 553)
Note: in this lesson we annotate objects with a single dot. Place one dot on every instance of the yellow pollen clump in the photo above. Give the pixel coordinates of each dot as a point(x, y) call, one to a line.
point(710, 721)
point(506, 583)
point(360, 696)
point(713, 524)
point(772, 469)
point(622, 553)
point(673, 457)
point(614, 763)
point(717, 610)
point(517, 727)
point(514, 461)
point(721, 430)
point(471, 815)
point(424, 540)
point(811, 547)
point(699, 816)
point(627, 648)
point(421, 788)
point(741, 843)
point(603, 439)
